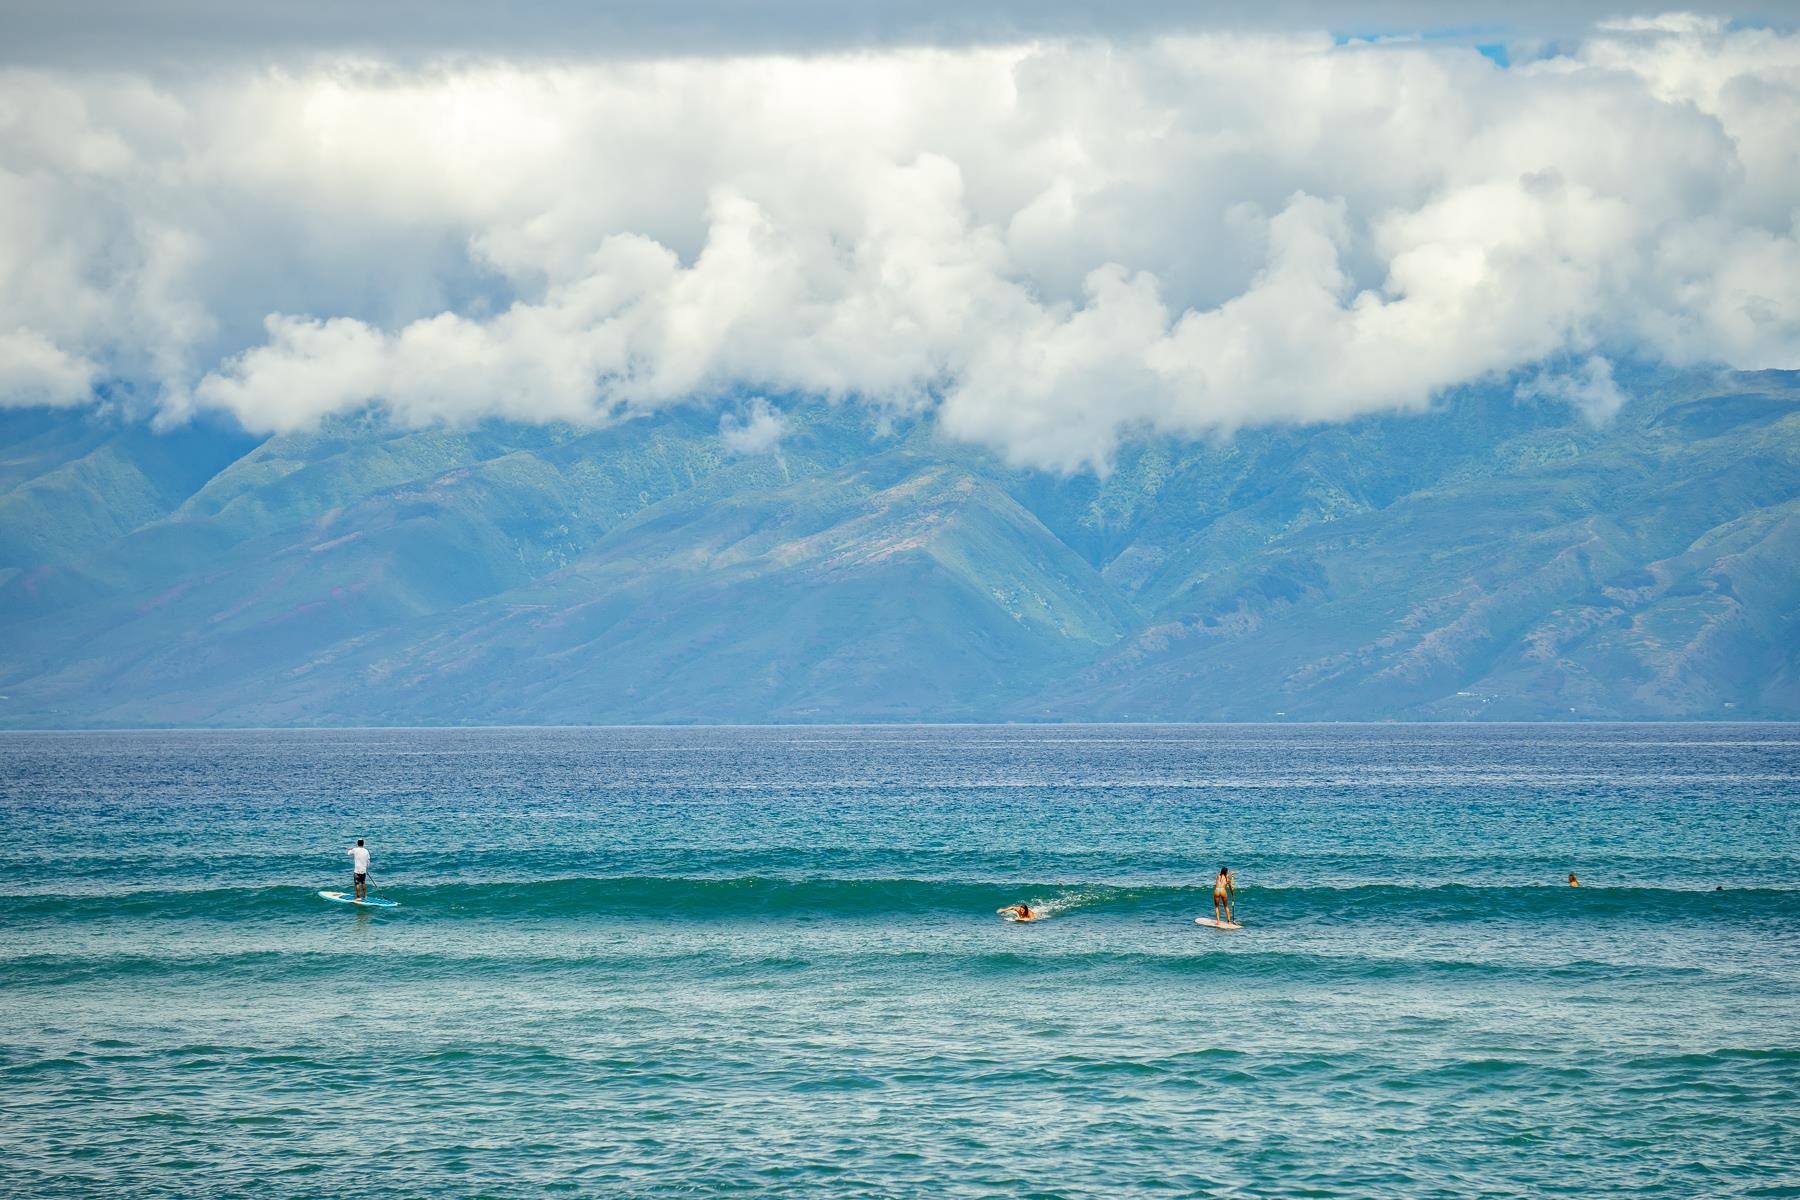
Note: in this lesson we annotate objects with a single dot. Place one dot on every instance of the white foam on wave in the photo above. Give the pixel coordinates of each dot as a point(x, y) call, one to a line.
point(1067, 902)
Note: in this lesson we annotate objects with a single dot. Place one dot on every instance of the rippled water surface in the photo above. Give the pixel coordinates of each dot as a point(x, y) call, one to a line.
point(766, 962)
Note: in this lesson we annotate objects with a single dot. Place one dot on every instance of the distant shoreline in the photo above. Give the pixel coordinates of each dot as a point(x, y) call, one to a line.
point(1576, 722)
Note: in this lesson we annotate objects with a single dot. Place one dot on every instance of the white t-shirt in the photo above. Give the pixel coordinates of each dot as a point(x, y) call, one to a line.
point(360, 857)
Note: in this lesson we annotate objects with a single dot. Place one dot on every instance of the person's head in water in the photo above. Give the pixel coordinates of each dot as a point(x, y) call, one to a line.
point(1573, 882)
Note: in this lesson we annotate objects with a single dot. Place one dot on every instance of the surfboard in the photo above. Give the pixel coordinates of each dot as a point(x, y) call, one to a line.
point(371, 902)
point(1210, 923)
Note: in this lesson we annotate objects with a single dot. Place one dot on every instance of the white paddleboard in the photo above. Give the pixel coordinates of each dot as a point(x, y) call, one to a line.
point(348, 898)
point(1210, 923)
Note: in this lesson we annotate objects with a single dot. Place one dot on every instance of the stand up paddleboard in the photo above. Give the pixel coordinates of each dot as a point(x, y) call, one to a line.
point(347, 898)
point(1209, 922)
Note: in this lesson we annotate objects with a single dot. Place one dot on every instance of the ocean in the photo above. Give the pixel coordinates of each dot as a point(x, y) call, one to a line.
point(766, 962)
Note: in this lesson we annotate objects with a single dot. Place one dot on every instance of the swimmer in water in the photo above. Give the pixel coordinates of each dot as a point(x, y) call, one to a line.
point(1573, 882)
point(1224, 891)
point(1021, 912)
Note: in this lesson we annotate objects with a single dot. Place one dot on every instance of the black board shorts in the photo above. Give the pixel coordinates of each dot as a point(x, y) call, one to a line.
point(363, 877)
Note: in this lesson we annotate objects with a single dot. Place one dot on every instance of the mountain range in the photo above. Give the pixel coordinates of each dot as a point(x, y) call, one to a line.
point(1495, 558)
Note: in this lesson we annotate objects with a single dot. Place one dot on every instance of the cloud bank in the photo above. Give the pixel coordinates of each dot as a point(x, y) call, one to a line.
point(1053, 246)
point(179, 36)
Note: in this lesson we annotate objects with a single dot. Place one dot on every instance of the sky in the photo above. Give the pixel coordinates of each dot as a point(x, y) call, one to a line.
point(1049, 228)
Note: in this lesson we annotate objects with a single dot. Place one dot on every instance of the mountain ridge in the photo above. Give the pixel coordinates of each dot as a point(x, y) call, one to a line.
point(1496, 558)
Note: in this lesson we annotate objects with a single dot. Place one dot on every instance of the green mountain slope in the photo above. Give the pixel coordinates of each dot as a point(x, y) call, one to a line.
point(74, 483)
point(1491, 559)
point(1565, 571)
point(310, 540)
point(898, 587)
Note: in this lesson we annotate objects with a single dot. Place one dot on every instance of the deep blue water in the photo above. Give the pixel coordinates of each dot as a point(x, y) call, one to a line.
point(766, 962)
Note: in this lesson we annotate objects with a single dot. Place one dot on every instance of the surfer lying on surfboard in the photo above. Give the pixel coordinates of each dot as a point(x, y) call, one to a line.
point(1019, 912)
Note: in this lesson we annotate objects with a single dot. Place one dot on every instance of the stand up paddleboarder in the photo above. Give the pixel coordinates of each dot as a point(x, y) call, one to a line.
point(359, 861)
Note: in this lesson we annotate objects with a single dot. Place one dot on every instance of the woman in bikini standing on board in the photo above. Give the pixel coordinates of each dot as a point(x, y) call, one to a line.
point(1223, 891)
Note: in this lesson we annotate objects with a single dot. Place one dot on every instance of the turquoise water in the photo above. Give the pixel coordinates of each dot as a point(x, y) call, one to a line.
point(766, 962)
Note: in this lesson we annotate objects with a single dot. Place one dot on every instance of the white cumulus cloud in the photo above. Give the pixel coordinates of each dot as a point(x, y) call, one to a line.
point(758, 430)
point(35, 372)
point(1054, 246)
point(1589, 388)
